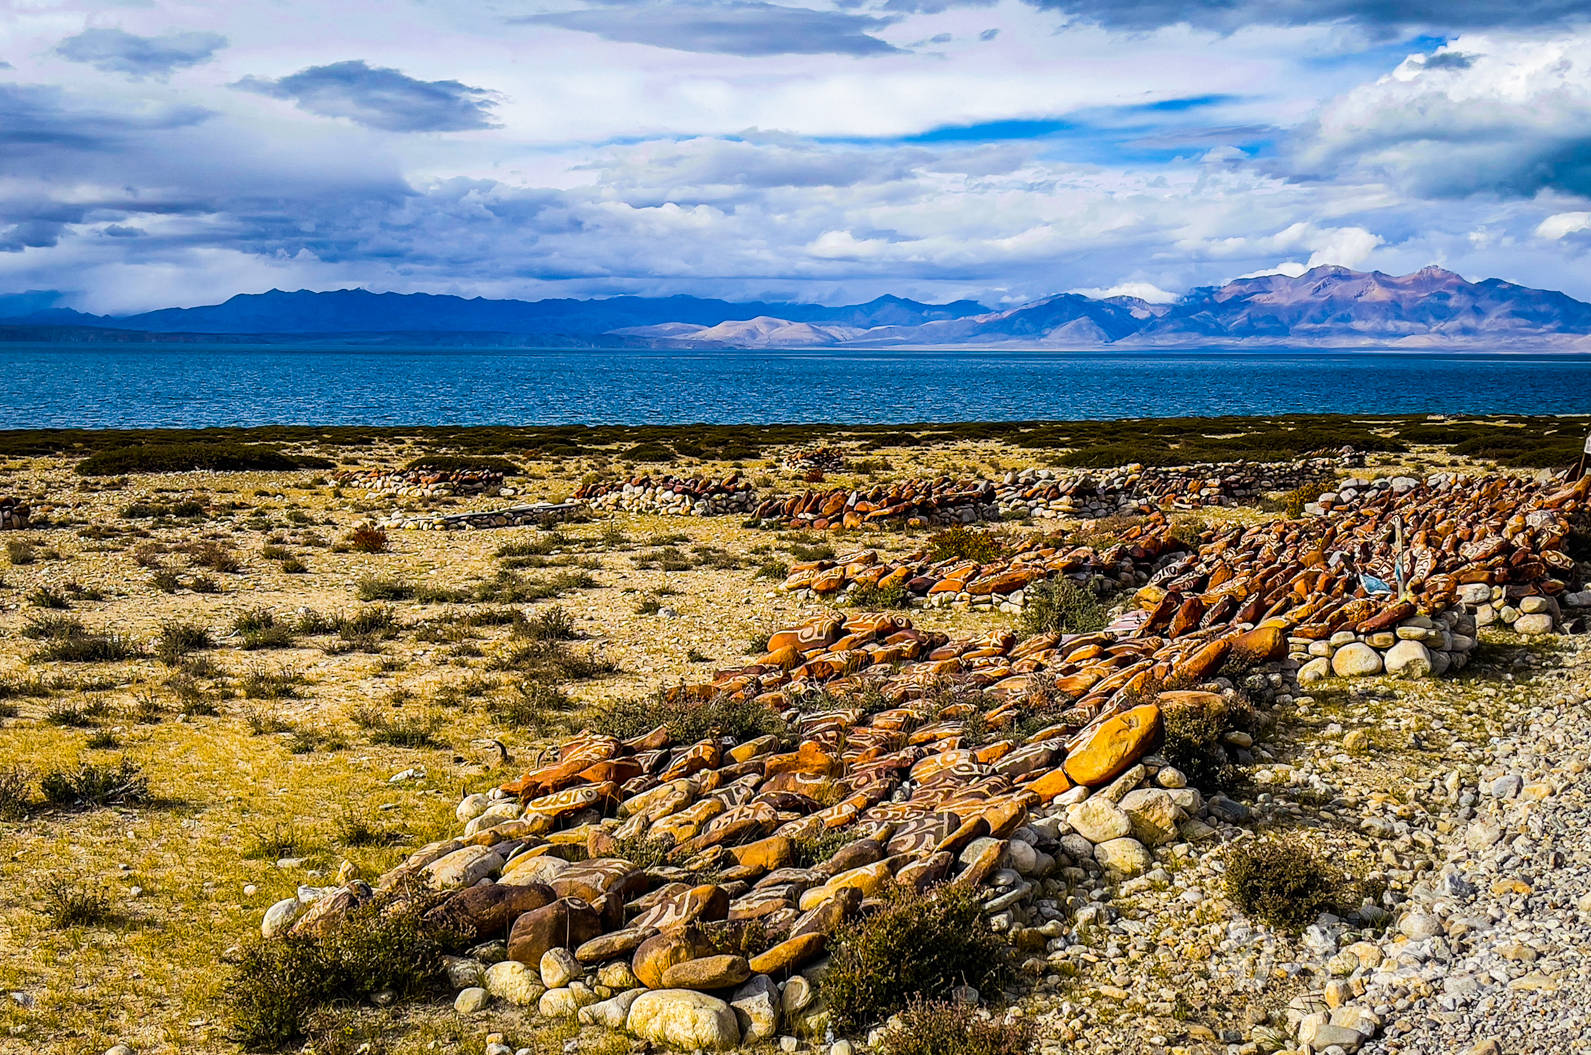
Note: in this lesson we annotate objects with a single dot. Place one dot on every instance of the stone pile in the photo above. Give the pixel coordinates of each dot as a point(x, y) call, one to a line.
point(699, 496)
point(999, 584)
point(423, 483)
point(14, 514)
point(539, 514)
point(912, 503)
point(1458, 531)
point(824, 459)
point(1046, 494)
point(921, 799)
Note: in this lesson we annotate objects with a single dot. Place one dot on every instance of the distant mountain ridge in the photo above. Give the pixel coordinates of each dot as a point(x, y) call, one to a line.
point(1325, 306)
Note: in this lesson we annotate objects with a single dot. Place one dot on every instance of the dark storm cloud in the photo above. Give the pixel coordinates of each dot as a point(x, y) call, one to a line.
point(38, 118)
point(380, 97)
point(1449, 60)
point(741, 27)
point(117, 51)
point(1383, 15)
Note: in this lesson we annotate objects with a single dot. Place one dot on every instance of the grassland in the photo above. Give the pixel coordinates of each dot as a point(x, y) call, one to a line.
point(301, 708)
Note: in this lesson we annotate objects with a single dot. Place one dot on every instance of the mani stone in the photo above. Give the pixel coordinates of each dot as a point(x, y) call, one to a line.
point(1356, 660)
point(685, 1019)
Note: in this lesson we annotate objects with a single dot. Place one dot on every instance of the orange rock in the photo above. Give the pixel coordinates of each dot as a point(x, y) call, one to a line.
point(1260, 645)
point(1051, 784)
point(789, 954)
point(1113, 745)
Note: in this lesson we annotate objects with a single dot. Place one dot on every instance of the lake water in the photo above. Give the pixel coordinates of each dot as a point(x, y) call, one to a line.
point(193, 385)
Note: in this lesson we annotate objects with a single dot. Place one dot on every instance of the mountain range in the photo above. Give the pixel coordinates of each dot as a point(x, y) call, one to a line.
point(1324, 307)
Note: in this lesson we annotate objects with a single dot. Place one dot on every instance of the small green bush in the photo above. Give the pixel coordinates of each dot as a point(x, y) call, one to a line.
point(279, 983)
point(262, 683)
point(49, 597)
point(177, 639)
point(53, 627)
point(67, 904)
point(554, 624)
point(16, 793)
point(915, 946)
point(1280, 880)
point(687, 720)
point(1192, 743)
point(1062, 606)
point(215, 556)
point(873, 599)
point(934, 1027)
point(964, 543)
point(187, 457)
point(91, 785)
point(102, 647)
point(531, 704)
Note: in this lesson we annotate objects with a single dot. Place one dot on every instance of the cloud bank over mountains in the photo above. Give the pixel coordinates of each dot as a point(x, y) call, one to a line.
point(804, 150)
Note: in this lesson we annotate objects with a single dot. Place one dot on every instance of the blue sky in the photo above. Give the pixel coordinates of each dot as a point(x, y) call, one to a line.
point(177, 152)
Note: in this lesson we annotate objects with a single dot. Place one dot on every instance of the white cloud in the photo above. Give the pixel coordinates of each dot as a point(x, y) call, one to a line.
point(1563, 224)
point(1142, 290)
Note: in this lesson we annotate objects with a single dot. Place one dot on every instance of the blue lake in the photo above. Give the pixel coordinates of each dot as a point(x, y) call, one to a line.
point(193, 385)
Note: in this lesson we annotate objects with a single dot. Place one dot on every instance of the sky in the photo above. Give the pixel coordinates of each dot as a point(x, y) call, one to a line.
point(176, 152)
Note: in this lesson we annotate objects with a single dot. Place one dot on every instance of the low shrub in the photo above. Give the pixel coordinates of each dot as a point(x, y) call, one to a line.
point(92, 785)
point(1060, 605)
point(1192, 742)
point(101, 647)
point(964, 543)
point(531, 704)
point(187, 457)
point(16, 793)
point(68, 904)
point(687, 720)
point(49, 597)
point(262, 683)
point(396, 729)
point(279, 840)
point(216, 556)
point(367, 539)
point(1280, 880)
point(936, 1027)
point(915, 946)
point(53, 627)
point(554, 624)
point(873, 598)
point(385, 944)
point(177, 639)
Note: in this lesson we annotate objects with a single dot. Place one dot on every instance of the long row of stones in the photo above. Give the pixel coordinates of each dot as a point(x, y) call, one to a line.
point(538, 514)
point(915, 503)
point(1001, 583)
point(422, 482)
point(1134, 489)
point(672, 496)
point(14, 513)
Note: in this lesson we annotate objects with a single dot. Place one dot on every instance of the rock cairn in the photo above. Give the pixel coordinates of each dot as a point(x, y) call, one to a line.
point(540, 514)
point(423, 483)
point(1046, 494)
point(698, 496)
point(913, 503)
point(823, 459)
point(14, 514)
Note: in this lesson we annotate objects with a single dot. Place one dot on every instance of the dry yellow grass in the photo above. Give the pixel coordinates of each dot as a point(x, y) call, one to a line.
point(153, 978)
